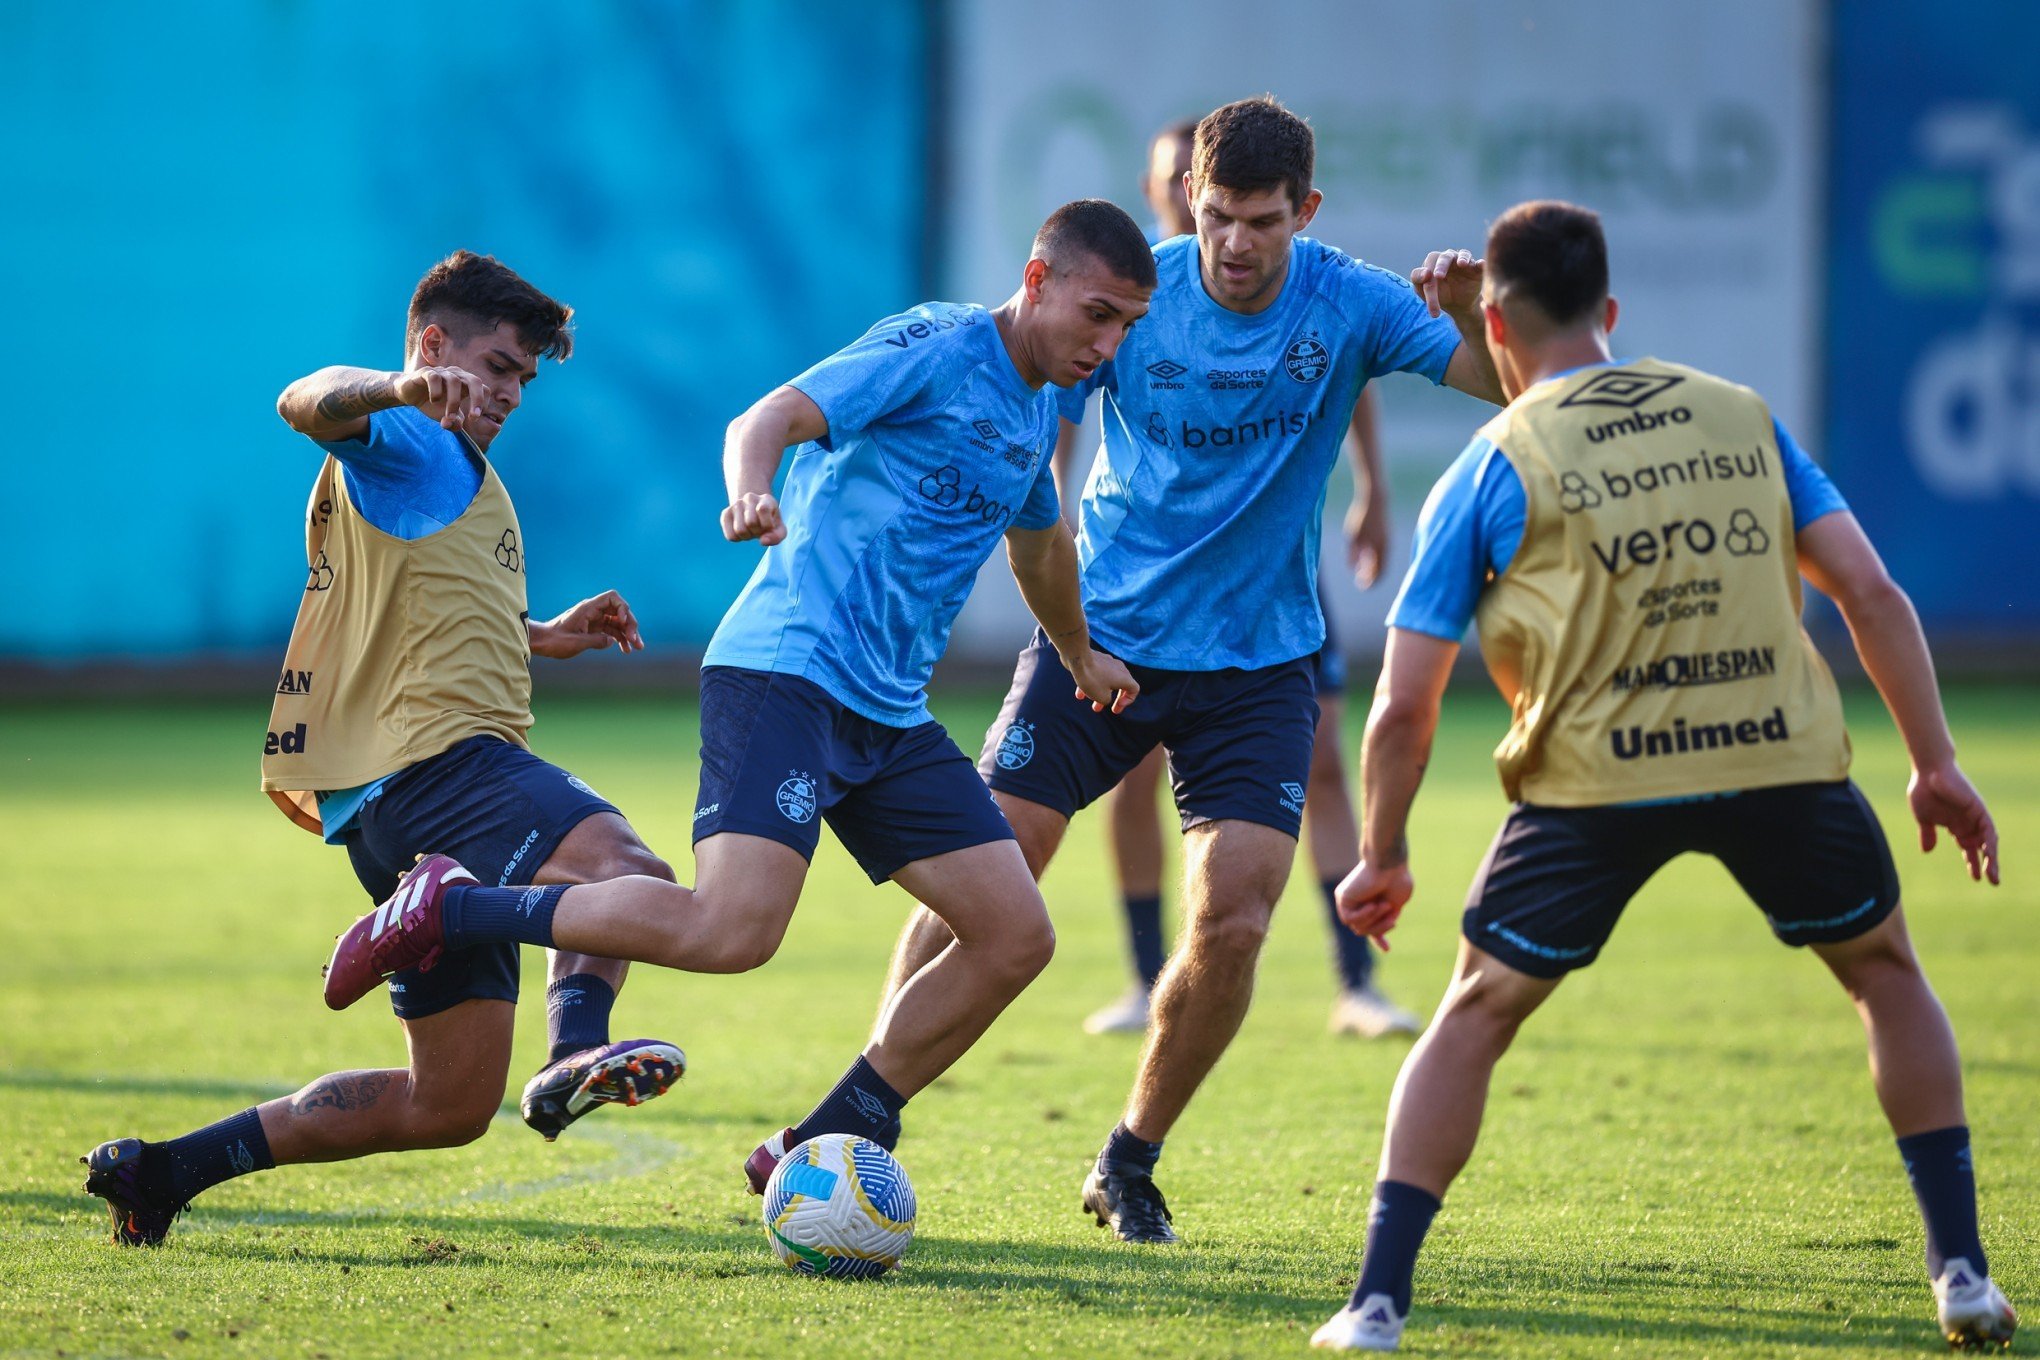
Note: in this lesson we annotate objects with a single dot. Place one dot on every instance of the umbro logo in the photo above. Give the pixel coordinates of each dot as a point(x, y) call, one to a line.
point(569, 996)
point(985, 429)
point(1165, 372)
point(1623, 389)
point(868, 1105)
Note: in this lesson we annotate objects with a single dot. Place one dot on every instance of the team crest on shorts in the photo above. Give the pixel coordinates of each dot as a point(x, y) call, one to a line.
point(796, 797)
point(1016, 748)
point(1306, 359)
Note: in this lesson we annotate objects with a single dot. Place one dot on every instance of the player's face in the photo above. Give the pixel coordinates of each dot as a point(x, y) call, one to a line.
point(1084, 315)
point(1243, 242)
point(498, 359)
point(1167, 195)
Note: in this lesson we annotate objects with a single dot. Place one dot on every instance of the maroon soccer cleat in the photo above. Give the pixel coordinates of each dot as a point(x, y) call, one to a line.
point(766, 1158)
point(404, 932)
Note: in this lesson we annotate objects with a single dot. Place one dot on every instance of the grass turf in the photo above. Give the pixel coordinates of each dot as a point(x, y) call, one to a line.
point(1682, 1156)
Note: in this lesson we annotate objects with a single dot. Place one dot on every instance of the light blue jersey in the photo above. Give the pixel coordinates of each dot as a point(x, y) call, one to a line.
point(1199, 527)
point(936, 447)
point(410, 478)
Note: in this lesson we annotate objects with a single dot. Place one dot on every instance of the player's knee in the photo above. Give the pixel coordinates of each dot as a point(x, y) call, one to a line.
point(742, 949)
point(1235, 934)
point(1029, 946)
point(454, 1124)
point(1482, 1011)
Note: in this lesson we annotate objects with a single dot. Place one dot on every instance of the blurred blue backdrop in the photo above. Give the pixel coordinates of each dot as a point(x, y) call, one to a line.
point(209, 202)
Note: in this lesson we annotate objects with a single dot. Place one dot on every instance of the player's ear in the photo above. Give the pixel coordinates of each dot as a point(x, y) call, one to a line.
point(432, 346)
point(1497, 326)
point(1608, 316)
point(1033, 278)
point(1308, 208)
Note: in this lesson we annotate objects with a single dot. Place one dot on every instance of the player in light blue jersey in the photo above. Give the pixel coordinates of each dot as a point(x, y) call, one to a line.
point(1132, 812)
point(1198, 540)
point(919, 448)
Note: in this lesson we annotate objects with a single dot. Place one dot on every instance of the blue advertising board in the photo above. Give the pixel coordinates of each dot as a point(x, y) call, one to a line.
point(1933, 371)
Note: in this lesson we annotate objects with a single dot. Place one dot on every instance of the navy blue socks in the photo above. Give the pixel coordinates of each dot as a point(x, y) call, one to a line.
point(577, 1013)
point(1944, 1182)
point(1126, 1150)
point(1396, 1226)
point(861, 1103)
point(1351, 953)
point(184, 1167)
point(476, 915)
point(1144, 934)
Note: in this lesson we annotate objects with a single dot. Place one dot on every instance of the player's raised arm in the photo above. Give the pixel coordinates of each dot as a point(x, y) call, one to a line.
point(1837, 557)
point(1392, 761)
point(1044, 564)
point(1450, 281)
point(756, 442)
point(335, 403)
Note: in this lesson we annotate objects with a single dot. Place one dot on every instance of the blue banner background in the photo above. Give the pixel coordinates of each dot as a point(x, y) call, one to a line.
point(207, 203)
point(1933, 373)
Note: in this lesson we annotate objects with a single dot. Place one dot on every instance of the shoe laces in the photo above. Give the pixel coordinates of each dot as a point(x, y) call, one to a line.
point(1138, 1199)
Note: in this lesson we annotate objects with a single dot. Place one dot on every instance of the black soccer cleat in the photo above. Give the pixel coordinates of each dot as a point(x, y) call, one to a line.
point(113, 1171)
point(626, 1073)
point(1127, 1200)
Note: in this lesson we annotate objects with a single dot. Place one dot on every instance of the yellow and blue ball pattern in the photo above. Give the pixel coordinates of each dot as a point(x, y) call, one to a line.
point(839, 1205)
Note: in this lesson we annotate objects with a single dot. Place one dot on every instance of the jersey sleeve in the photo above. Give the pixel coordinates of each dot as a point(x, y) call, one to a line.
point(885, 372)
point(1811, 493)
point(410, 477)
point(1043, 508)
point(1402, 335)
point(400, 441)
point(1469, 530)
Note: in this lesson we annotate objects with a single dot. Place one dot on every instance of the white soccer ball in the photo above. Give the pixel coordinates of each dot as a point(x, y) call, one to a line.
point(839, 1205)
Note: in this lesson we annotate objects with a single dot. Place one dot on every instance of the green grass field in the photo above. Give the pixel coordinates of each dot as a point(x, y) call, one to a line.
point(1682, 1157)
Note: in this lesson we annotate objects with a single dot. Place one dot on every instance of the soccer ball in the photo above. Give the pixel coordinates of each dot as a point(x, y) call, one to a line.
point(839, 1205)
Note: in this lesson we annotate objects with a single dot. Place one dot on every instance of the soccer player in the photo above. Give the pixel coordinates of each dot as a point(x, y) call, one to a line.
point(1133, 818)
point(1630, 540)
point(918, 448)
point(399, 729)
point(1199, 544)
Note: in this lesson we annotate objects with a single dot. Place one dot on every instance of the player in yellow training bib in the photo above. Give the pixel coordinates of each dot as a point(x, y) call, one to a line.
point(1630, 539)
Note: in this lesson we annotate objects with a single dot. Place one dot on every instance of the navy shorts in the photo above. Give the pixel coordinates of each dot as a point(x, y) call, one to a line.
point(496, 808)
point(1238, 740)
point(780, 755)
point(1811, 856)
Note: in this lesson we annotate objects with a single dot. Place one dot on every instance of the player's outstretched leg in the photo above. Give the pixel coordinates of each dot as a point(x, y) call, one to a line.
point(1918, 1074)
point(460, 1058)
point(999, 940)
point(584, 1070)
point(1234, 872)
point(1433, 1119)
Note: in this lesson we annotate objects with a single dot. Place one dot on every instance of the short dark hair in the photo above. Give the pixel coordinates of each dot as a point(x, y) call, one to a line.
point(466, 293)
point(1252, 145)
point(1102, 230)
point(1552, 254)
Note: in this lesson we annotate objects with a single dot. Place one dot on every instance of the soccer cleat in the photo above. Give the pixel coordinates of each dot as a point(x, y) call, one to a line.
point(1367, 1013)
point(404, 932)
point(1128, 1015)
point(626, 1073)
point(113, 1171)
point(1128, 1202)
point(1974, 1312)
point(765, 1159)
point(1372, 1326)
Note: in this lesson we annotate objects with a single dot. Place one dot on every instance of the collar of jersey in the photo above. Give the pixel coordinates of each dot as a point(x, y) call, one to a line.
point(1260, 318)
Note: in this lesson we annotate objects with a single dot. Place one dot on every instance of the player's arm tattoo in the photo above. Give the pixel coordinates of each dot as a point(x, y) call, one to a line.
point(342, 1091)
point(356, 397)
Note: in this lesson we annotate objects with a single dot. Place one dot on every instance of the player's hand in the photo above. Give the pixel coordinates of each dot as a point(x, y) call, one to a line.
point(589, 626)
point(755, 514)
point(1367, 540)
point(450, 396)
point(1944, 797)
point(1371, 900)
point(1104, 680)
point(1450, 281)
